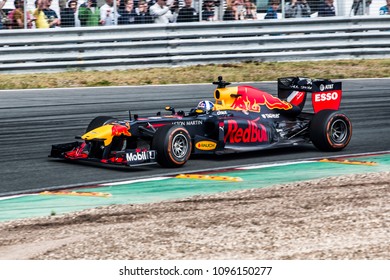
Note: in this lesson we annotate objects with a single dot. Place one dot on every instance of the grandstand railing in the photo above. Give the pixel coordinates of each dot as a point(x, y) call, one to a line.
point(154, 45)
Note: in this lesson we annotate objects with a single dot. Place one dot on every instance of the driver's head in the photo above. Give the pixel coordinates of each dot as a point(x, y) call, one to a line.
point(205, 105)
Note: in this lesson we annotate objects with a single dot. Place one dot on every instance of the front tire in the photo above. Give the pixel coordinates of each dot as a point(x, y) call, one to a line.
point(330, 130)
point(99, 121)
point(95, 147)
point(173, 146)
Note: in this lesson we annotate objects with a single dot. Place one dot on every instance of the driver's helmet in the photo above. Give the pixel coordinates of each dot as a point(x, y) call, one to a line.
point(205, 105)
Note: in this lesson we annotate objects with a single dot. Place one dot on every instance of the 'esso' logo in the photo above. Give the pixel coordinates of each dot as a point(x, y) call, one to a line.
point(326, 96)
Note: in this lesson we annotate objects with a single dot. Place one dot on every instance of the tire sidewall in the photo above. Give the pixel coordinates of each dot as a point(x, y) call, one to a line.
point(163, 143)
point(178, 132)
point(321, 130)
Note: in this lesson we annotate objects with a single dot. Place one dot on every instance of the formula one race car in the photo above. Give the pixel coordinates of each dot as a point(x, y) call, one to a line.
point(241, 119)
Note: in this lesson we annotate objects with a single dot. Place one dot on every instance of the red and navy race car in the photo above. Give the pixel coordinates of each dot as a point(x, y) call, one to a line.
point(241, 119)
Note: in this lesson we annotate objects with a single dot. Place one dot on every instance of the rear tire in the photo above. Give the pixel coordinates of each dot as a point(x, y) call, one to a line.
point(173, 146)
point(330, 130)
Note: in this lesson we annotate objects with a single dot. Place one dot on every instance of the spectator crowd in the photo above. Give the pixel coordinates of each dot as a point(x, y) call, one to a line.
point(84, 13)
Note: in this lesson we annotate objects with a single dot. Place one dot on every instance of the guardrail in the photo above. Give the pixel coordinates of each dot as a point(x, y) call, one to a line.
point(154, 45)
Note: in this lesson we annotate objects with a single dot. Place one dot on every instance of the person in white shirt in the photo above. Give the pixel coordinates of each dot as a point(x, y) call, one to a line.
point(162, 12)
point(108, 15)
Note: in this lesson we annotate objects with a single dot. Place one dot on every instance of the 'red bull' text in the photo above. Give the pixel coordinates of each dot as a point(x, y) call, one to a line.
point(252, 133)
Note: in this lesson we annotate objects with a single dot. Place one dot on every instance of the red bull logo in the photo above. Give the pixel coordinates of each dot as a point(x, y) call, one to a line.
point(118, 130)
point(250, 99)
point(251, 133)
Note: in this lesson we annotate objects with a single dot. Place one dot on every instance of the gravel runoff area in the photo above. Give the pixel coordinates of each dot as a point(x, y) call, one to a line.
point(344, 217)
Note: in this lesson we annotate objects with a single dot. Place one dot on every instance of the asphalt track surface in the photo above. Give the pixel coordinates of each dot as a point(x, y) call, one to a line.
point(32, 120)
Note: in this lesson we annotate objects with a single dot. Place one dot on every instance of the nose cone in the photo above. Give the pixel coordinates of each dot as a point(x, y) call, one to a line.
point(101, 133)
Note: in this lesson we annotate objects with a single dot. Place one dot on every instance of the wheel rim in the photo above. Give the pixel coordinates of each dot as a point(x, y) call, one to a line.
point(339, 131)
point(179, 146)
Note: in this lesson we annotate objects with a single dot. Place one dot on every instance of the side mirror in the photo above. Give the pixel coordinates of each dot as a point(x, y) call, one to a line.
point(171, 109)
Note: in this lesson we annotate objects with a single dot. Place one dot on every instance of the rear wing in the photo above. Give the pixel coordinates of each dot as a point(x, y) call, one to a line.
point(326, 95)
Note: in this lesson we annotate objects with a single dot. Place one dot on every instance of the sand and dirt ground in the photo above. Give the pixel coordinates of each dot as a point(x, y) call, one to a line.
point(335, 218)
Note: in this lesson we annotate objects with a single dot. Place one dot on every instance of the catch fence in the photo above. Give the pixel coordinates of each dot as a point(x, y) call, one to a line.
point(165, 45)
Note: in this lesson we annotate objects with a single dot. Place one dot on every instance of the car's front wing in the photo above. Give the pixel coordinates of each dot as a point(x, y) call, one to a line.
point(78, 151)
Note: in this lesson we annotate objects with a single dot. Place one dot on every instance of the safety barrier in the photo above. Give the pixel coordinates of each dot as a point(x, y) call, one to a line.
point(154, 45)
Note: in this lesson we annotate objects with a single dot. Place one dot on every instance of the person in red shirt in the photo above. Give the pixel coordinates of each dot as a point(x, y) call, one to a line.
point(16, 16)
